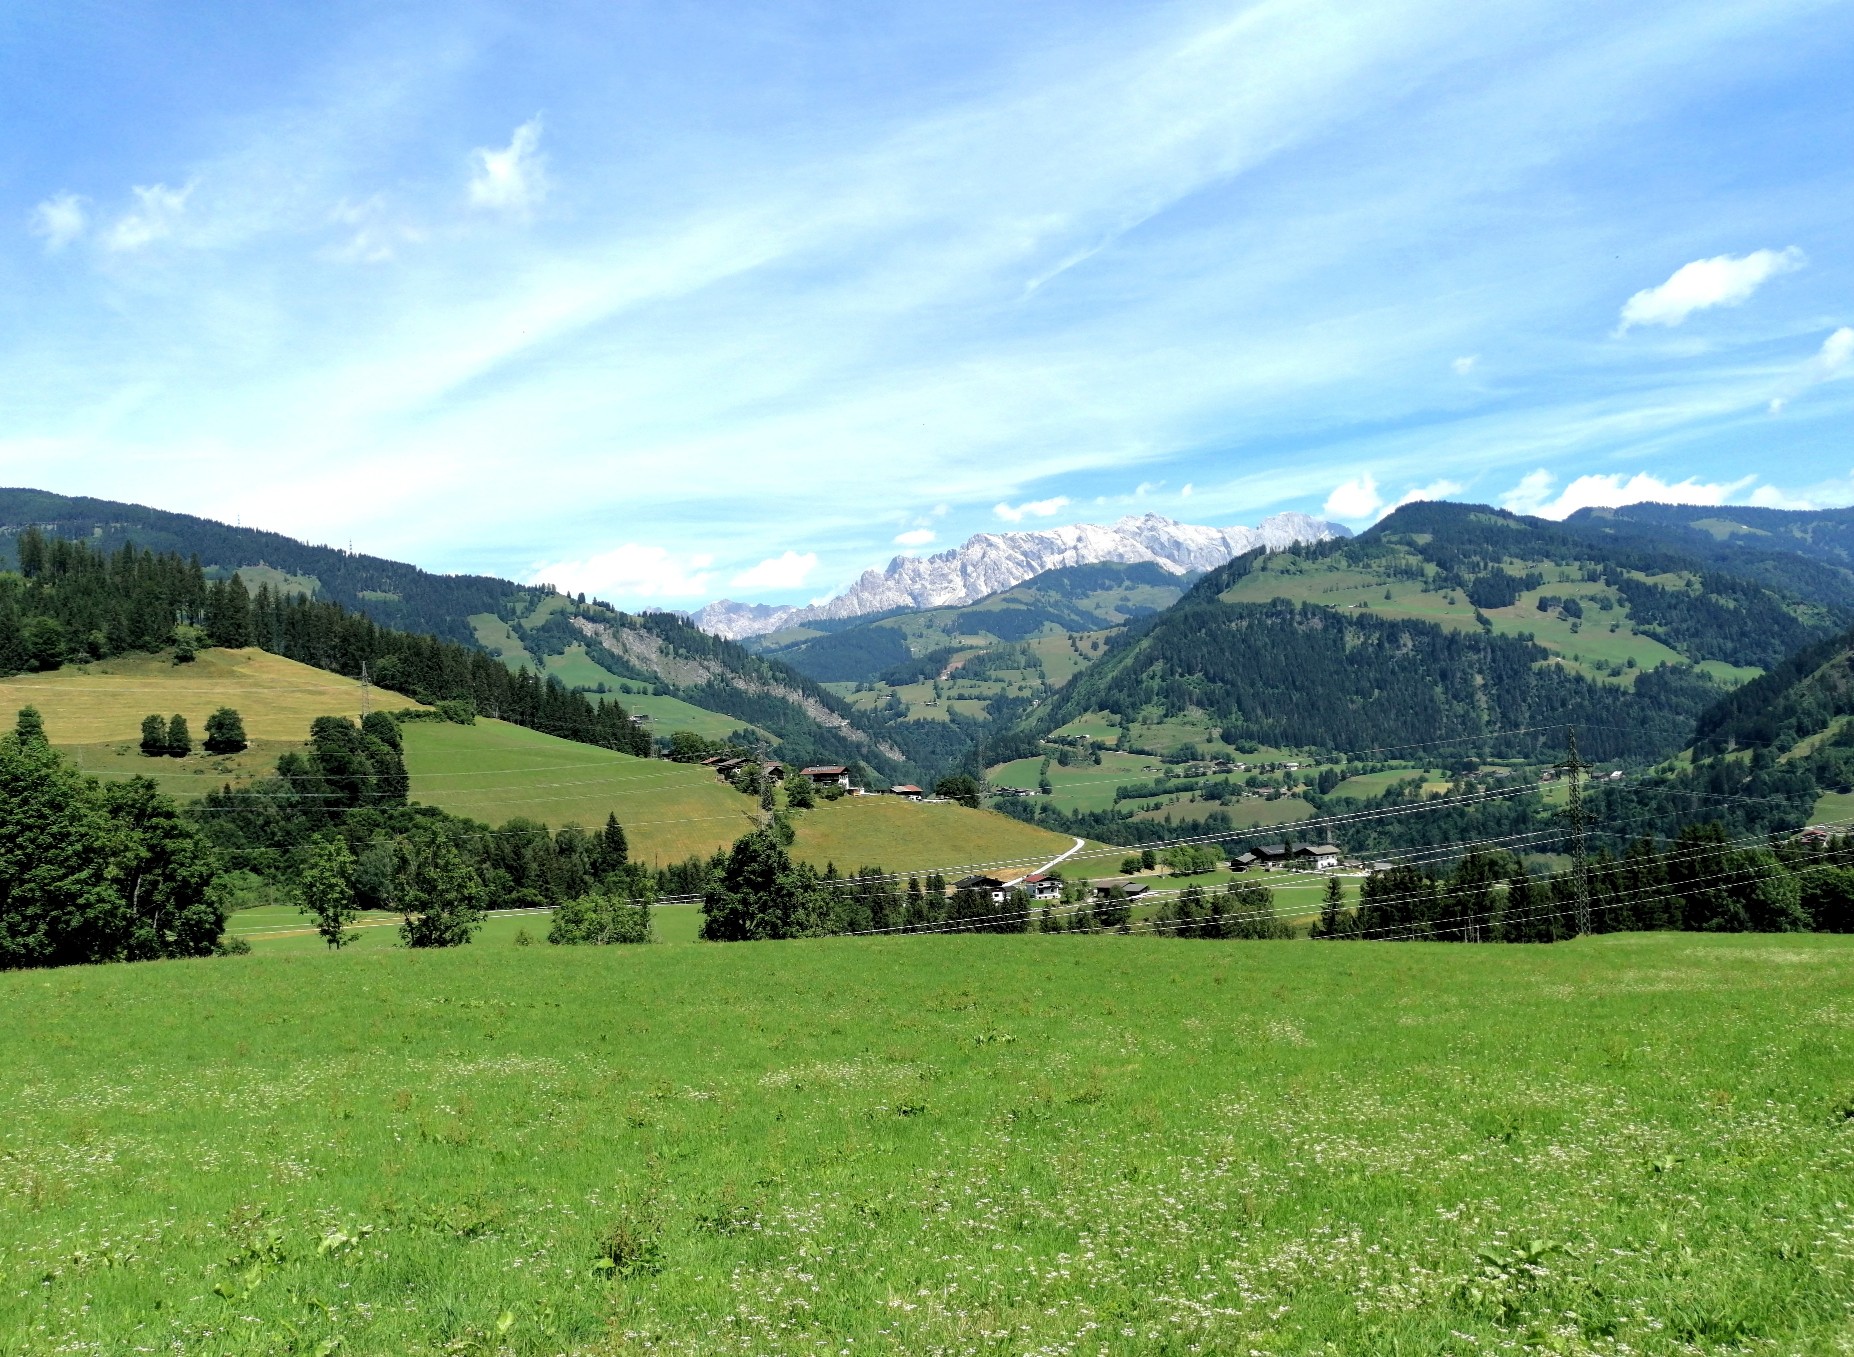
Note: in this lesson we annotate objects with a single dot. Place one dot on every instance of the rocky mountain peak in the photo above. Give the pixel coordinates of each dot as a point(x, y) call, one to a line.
point(989, 562)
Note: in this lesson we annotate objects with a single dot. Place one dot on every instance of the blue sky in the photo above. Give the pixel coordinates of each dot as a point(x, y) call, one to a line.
point(671, 302)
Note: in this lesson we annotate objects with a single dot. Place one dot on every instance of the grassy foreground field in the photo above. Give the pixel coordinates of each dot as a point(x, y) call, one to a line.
point(1637, 1144)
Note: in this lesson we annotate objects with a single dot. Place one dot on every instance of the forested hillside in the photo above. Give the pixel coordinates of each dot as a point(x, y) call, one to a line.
point(391, 592)
point(1805, 552)
point(70, 603)
point(1292, 674)
point(1444, 621)
point(524, 626)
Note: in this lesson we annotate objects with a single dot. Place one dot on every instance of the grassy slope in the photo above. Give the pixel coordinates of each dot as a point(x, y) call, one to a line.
point(94, 712)
point(575, 668)
point(1099, 1144)
point(1591, 649)
point(492, 771)
point(499, 639)
point(1082, 785)
point(902, 836)
point(672, 713)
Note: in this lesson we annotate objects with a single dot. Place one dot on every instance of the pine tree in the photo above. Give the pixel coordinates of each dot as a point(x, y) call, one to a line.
point(1332, 911)
point(29, 728)
point(154, 736)
point(614, 851)
point(179, 738)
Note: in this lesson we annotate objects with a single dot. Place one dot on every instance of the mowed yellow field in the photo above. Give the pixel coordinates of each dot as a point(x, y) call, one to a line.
point(908, 836)
point(494, 772)
point(105, 702)
point(93, 712)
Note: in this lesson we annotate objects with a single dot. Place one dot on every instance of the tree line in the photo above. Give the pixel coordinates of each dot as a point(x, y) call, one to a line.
point(93, 871)
point(70, 603)
point(1701, 881)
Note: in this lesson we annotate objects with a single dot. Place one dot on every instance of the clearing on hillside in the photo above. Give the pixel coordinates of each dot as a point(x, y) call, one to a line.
point(1086, 1144)
point(909, 836)
point(494, 772)
point(93, 712)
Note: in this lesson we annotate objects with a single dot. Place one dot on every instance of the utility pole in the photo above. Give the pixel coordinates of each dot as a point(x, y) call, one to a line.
point(1574, 769)
point(366, 691)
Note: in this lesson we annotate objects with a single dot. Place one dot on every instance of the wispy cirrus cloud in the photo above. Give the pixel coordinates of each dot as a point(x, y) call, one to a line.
point(1185, 244)
point(1834, 359)
point(60, 219)
point(157, 213)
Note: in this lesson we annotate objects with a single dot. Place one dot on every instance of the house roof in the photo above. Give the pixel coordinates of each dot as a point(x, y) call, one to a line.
point(1318, 850)
point(834, 769)
point(1125, 883)
point(904, 788)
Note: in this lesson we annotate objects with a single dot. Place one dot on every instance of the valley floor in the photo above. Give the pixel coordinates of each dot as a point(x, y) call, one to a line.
point(1041, 1144)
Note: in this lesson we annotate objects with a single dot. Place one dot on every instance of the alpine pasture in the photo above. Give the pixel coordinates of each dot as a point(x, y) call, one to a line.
point(953, 1144)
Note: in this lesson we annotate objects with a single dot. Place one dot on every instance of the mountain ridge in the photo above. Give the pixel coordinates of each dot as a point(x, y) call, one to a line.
point(988, 563)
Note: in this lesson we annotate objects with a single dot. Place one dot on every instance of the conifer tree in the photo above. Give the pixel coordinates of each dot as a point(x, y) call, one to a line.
point(614, 851)
point(1333, 920)
point(179, 738)
point(154, 736)
point(29, 727)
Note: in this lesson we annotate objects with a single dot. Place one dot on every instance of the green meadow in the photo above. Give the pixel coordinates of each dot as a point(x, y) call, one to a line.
point(973, 1145)
point(908, 836)
point(493, 771)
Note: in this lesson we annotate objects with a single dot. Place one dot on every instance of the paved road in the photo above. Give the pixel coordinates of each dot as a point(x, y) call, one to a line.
point(1073, 850)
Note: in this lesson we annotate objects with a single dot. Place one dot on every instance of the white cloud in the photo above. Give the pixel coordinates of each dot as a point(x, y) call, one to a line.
point(1355, 499)
point(1359, 499)
point(1188, 491)
point(1036, 508)
point(1439, 489)
point(513, 179)
point(1464, 365)
point(1837, 356)
point(1533, 493)
point(1534, 489)
point(787, 570)
point(60, 219)
point(1724, 280)
point(158, 210)
point(376, 235)
point(1834, 359)
point(1769, 497)
point(630, 571)
point(914, 537)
